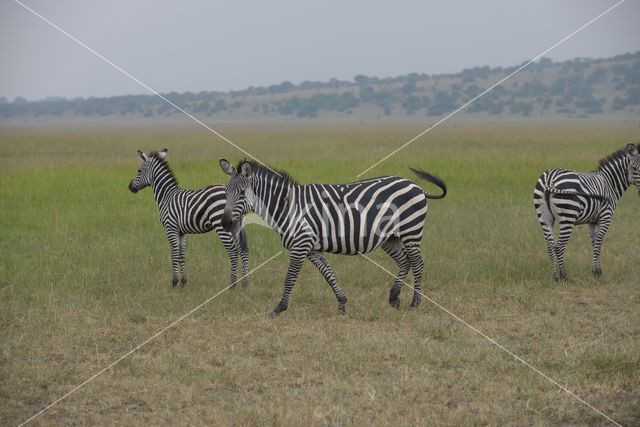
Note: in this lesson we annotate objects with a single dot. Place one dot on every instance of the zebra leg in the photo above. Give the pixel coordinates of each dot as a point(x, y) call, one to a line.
point(593, 230)
point(566, 227)
point(595, 264)
point(417, 265)
point(174, 241)
point(296, 258)
point(598, 238)
point(551, 250)
point(321, 264)
point(182, 248)
point(393, 247)
point(232, 251)
point(546, 222)
point(244, 255)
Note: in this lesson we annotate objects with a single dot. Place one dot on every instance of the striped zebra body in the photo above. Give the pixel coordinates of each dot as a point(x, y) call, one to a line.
point(574, 198)
point(350, 219)
point(185, 212)
point(358, 217)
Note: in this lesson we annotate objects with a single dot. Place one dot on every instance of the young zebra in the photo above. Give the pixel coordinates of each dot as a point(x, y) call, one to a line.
point(188, 212)
point(574, 198)
point(350, 219)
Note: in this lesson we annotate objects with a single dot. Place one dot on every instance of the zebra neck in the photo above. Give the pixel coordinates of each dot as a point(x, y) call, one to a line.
point(271, 201)
point(615, 174)
point(163, 185)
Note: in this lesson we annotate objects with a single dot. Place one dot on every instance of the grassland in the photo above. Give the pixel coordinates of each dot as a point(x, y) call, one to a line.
point(84, 278)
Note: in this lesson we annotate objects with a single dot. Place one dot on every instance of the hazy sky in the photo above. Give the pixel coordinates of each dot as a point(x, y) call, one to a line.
point(222, 45)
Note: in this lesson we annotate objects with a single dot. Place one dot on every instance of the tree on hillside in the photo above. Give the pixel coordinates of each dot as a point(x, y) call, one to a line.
point(442, 103)
point(590, 105)
point(220, 105)
point(413, 103)
point(201, 107)
point(472, 90)
point(408, 88)
point(367, 94)
point(283, 87)
point(361, 79)
point(597, 76)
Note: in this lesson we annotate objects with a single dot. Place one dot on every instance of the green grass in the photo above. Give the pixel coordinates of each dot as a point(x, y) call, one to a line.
point(85, 277)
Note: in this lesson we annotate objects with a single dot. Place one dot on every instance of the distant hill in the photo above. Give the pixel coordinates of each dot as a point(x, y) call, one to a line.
point(576, 88)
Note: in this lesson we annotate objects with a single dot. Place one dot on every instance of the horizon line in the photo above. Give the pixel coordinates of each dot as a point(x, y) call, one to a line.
point(328, 81)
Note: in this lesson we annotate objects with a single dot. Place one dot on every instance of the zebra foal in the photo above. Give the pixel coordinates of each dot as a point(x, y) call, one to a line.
point(349, 219)
point(573, 198)
point(185, 212)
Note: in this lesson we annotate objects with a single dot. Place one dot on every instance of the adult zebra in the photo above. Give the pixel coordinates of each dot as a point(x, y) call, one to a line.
point(574, 198)
point(188, 212)
point(353, 218)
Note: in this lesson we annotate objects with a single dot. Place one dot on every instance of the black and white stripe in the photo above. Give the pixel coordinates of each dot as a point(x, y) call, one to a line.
point(353, 218)
point(572, 198)
point(185, 212)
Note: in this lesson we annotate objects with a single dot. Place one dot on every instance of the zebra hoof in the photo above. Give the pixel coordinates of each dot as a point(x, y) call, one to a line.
point(560, 279)
point(273, 315)
point(415, 303)
point(174, 283)
point(341, 308)
point(395, 303)
point(597, 271)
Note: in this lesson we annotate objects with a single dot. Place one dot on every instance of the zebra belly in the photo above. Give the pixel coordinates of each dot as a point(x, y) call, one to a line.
point(350, 238)
point(199, 213)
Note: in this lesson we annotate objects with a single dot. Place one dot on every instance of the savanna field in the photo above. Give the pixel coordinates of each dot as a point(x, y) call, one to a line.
point(85, 277)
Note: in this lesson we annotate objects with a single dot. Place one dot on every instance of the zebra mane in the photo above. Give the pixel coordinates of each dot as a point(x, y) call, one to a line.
point(164, 164)
point(619, 154)
point(269, 171)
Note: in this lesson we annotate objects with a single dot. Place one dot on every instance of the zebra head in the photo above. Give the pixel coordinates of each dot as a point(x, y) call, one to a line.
point(633, 151)
point(239, 194)
point(144, 176)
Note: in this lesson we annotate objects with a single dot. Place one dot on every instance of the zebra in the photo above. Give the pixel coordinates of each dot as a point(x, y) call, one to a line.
point(574, 198)
point(349, 219)
point(188, 212)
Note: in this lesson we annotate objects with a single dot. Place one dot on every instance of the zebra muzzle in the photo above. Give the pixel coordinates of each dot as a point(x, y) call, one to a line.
point(132, 188)
point(227, 220)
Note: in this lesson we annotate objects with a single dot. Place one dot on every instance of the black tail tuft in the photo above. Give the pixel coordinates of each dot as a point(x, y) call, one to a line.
point(434, 180)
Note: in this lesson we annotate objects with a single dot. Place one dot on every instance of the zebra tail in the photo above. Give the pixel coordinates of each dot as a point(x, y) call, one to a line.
point(547, 201)
point(434, 180)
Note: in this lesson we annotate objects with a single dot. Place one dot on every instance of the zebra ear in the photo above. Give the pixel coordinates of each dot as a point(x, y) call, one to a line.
point(245, 168)
point(226, 167)
point(632, 149)
point(142, 155)
point(162, 153)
